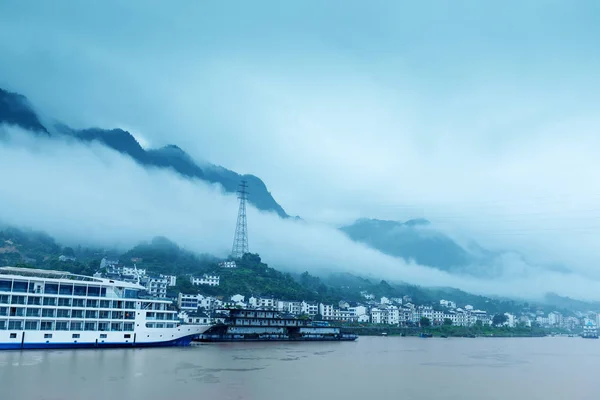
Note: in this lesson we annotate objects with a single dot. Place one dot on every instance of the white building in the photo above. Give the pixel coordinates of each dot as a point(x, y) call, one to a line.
point(311, 309)
point(367, 295)
point(171, 279)
point(393, 316)
point(105, 263)
point(447, 304)
point(228, 264)
point(378, 316)
point(326, 311)
point(511, 320)
point(189, 302)
point(358, 310)
point(384, 301)
point(556, 318)
point(211, 280)
point(262, 302)
point(237, 298)
point(156, 286)
point(132, 271)
point(64, 258)
point(437, 317)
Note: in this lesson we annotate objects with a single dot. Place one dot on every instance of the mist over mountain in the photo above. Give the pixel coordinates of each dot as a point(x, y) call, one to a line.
point(417, 240)
point(15, 109)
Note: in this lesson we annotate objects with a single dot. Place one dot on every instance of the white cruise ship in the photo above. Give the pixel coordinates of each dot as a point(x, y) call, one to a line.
point(53, 309)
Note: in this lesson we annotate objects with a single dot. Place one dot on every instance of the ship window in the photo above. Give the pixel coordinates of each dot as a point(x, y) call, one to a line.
point(5, 286)
point(103, 336)
point(19, 286)
point(13, 335)
point(15, 325)
point(47, 336)
point(62, 326)
point(51, 288)
point(75, 336)
point(4, 299)
point(93, 291)
point(49, 301)
point(33, 300)
point(127, 336)
point(65, 289)
point(46, 325)
point(79, 290)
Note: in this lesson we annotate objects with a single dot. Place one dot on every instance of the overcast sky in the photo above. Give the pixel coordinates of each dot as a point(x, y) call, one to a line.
point(482, 118)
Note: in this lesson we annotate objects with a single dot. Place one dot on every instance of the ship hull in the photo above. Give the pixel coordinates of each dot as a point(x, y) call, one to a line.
point(23, 340)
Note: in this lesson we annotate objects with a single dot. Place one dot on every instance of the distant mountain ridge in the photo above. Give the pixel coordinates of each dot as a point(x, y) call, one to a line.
point(414, 240)
point(15, 109)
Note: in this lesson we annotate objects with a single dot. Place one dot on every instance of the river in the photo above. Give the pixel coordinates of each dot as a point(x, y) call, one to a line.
point(374, 368)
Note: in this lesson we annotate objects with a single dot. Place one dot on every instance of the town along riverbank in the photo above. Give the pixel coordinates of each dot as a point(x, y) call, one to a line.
point(451, 331)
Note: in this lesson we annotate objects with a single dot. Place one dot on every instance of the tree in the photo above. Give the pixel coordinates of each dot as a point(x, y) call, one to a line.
point(68, 251)
point(425, 322)
point(499, 319)
point(447, 321)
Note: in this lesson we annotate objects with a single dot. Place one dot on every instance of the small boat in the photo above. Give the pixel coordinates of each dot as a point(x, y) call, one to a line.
point(384, 334)
point(425, 335)
point(444, 336)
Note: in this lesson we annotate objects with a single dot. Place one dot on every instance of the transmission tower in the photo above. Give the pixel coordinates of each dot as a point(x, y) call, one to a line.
point(240, 240)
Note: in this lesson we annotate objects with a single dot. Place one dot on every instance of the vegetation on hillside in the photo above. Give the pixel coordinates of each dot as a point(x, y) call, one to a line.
point(252, 277)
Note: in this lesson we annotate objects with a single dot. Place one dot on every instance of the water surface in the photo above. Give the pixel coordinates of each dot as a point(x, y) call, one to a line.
point(370, 368)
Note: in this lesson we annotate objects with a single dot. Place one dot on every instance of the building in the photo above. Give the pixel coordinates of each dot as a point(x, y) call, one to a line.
point(511, 320)
point(131, 271)
point(393, 315)
point(555, 319)
point(156, 286)
point(447, 304)
point(437, 317)
point(262, 302)
point(326, 311)
point(210, 280)
point(105, 263)
point(189, 302)
point(66, 258)
point(378, 316)
point(311, 309)
point(237, 298)
point(228, 264)
point(171, 279)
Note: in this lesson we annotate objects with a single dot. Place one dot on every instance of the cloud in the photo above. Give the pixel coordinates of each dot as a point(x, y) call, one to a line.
point(481, 118)
point(89, 194)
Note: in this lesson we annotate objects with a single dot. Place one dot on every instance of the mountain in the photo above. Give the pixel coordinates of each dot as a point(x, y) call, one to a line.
point(411, 240)
point(15, 109)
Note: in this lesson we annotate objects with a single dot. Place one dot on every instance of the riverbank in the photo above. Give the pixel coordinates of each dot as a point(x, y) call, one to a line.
point(450, 331)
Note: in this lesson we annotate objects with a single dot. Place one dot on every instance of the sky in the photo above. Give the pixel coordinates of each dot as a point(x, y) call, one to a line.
point(479, 116)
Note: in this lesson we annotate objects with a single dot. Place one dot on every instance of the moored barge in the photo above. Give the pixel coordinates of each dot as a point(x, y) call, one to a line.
point(267, 325)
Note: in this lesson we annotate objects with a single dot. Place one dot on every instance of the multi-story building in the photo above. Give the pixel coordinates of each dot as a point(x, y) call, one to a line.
point(393, 315)
point(326, 311)
point(437, 317)
point(156, 286)
point(378, 316)
point(309, 308)
point(555, 319)
point(228, 264)
point(171, 279)
point(189, 302)
point(210, 280)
